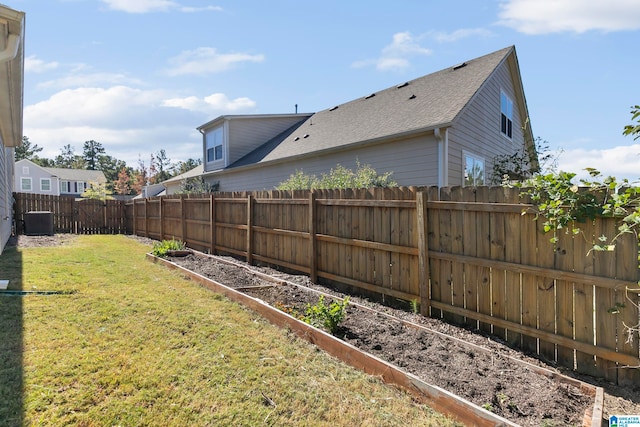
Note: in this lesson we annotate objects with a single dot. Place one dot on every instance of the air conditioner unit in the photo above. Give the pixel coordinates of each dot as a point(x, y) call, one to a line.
point(38, 223)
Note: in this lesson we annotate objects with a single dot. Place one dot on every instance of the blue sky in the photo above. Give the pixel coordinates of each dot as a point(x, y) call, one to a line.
point(140, 75)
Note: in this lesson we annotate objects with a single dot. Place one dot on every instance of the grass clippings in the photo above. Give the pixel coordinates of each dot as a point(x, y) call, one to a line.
point(128, 343)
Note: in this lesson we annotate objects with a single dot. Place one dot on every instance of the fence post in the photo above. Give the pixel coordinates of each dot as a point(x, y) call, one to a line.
point(104, 217)
point(74, 220)
point(212, 216)
point(249, 229)
point(313, 250)
point(133, 226)
point(423, 254)
point(146, 217)
point(183, 219)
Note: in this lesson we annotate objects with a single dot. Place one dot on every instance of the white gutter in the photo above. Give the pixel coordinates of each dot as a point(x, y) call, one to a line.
point(443, 156)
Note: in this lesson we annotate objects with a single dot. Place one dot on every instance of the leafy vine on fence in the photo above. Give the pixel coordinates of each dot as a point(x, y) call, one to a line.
point(563, 205)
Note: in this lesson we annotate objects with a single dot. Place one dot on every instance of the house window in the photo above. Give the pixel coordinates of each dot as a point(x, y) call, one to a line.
point(25, 170)
point(80, 187)
point(65, 187)
point(506, 115)
point(25, 184)
point(45, 184)
point(473, 170)
point(214, 144)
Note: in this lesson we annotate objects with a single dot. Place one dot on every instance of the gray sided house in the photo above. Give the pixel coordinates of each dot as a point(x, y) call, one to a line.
point(11, 102)
point(443, 129)
point(35, 179)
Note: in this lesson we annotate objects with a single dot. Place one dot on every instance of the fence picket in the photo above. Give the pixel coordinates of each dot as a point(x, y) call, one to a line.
point(483, 257)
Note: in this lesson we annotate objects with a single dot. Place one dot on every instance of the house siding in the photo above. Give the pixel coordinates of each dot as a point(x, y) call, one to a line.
point(245, 135)
point(36, 173)
point(413, 161)
point(6, 197)
point(74, 177)
point(477, 131)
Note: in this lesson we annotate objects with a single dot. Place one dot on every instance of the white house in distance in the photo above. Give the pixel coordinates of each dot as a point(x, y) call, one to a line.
point(443, 129)
point(32, 178)
point(11, 102)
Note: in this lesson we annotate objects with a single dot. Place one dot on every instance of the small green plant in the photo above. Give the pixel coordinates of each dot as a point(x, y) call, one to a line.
point(488, 407)
point(415, 306)
point(161, 249)
point(328, 316)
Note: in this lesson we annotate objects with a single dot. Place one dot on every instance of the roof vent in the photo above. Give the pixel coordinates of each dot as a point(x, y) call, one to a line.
point(370, 96)
point(402, 85)
point(306, 135)
point(296, 138)
point(457, 67)
point(412, 96)
point(333, 108)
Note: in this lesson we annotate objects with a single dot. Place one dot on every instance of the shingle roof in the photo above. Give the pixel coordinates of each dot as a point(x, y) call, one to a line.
point(77, 174)
point(425, 103)
point(197, 171)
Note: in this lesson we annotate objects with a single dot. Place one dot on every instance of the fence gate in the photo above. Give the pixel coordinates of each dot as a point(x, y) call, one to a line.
point(90, 216)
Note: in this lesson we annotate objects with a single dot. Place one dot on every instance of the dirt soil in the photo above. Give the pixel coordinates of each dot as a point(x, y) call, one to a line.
point(489, 378)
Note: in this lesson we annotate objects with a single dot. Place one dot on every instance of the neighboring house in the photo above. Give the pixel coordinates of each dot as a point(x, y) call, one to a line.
point(32, 178)
point(11, 102)
point(442, 129)
point(151, 190)
point(177, 183)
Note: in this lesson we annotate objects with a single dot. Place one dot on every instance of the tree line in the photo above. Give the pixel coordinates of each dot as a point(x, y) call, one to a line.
point(121, 178)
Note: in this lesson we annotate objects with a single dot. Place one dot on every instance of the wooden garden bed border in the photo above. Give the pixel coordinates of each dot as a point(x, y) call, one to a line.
point(436, 397)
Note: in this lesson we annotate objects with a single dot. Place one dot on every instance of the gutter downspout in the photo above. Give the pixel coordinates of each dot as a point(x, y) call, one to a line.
point(11, 49)
point(443, 156)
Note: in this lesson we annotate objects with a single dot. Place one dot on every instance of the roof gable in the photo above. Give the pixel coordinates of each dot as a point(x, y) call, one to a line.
point(419, 105)
point(26, 162)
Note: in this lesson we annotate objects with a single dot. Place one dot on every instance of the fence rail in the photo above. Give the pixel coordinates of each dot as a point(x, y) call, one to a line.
point(472, 256)
point(71, 215)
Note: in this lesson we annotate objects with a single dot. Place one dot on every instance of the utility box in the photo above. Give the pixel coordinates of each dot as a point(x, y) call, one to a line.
point(38, 223)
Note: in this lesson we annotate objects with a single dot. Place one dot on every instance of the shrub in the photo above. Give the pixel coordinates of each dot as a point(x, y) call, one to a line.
point(160, 249)
point(364, 176)
point(326, 316)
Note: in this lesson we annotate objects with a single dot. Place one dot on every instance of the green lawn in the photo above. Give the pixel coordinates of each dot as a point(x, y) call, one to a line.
point(130, 343)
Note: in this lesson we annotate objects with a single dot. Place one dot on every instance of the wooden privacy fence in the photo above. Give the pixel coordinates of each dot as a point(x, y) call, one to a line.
point(468, 255)
point(71, 215)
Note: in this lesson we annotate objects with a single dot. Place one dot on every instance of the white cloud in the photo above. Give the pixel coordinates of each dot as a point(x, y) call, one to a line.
point(621, 161)
point(147, 6)
point(127, 121)
point(32, 64)
point(551, 16)
point(90, 80)
point(460, 34)
point(214, 103)
point(140, 6)
point(396, 55)
point(206, 60)
point(117, 106)
point(191, 9)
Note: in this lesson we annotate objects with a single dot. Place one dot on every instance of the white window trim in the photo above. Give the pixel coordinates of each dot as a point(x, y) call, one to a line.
point(475, 156)
point(22, 181)
point(43, 180)
point(222, 144)
point(80, 187)
point(510, 100)
point(25, 170)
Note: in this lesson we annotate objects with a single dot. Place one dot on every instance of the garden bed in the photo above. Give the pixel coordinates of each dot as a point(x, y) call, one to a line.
point(455, 370)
